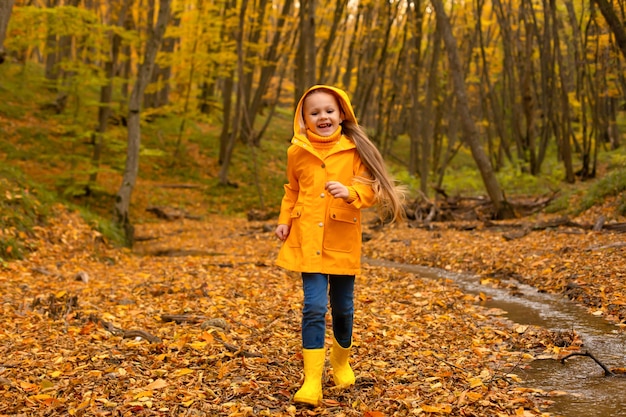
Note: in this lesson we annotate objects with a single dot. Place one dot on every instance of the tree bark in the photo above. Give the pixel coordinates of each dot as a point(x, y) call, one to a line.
point(617, 27)
point(122, 201)
point(565, 127)
point(230, 138)
point(5, 14)
point(416, 19)
point(428, 115)
point(340, 7)
point(503, 209)
point(106, 97)
point(305, 54)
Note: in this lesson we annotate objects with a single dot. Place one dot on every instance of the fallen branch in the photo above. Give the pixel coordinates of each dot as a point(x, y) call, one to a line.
point(171, 213)
point(609, 246)
point(607, 371)
point(126, 334)
point(131, 334)
point(182, 318)
point(235, 349)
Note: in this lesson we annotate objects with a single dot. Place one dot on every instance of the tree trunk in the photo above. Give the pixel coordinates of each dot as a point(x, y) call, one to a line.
point(122, 201)
point(416, 18)
point(5, 14)
point(428, 115)
point(617, 26)
point(106, 96)
point(340, 7)
point(565, 127)
point(230, 139)
point(305, 54)
point(352, 49)
point(503, 209)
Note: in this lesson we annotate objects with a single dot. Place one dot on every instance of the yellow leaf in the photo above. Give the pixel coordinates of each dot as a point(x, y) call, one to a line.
point(198, 345)
point(40, 397)
point(443, 408)
point(143, 394)
point(106, 402)
point(474, 396)
point(183, 371)
point(45, 384)
point(475, 382)
point(28, 387)
point(157, 384)
point(514, 377)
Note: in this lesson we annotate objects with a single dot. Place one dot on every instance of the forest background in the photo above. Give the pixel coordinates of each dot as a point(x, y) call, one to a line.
point(122, 110)
point(497, 97)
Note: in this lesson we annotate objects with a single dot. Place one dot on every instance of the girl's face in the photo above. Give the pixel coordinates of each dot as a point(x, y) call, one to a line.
point(322, 113)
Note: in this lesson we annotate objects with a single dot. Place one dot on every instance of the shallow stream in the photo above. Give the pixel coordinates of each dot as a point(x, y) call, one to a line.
point(590, 392)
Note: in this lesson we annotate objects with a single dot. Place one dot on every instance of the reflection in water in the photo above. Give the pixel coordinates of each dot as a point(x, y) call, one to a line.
point(590, 393)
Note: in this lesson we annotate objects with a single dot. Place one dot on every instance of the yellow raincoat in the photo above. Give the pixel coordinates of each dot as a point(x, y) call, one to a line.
point(325, 232)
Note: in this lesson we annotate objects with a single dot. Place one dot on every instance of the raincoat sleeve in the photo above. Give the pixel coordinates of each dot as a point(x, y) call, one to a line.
point(361, 195)
point(292, 188)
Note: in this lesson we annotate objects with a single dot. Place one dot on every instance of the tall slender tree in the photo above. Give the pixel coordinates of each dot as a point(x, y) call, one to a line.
point(131, 170)
point(503, 209)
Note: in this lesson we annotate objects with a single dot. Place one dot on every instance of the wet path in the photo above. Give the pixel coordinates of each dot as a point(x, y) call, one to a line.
point(591, 394)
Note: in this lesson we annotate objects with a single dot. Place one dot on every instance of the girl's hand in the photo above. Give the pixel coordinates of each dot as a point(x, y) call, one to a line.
point(282, 231)
point(337, 189)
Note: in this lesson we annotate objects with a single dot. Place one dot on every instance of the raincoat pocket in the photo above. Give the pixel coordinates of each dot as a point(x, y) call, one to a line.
point(344, 232)
point(295, 232)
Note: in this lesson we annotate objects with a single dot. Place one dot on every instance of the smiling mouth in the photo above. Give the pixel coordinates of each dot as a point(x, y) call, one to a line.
point(324, 126)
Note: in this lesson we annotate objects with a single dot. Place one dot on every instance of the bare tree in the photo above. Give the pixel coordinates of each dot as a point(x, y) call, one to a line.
point(122, 201)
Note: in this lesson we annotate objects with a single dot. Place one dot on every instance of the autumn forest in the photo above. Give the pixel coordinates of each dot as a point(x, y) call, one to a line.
point(143, 147)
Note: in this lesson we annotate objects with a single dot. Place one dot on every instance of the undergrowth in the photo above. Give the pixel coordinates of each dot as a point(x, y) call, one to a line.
point(23, 206)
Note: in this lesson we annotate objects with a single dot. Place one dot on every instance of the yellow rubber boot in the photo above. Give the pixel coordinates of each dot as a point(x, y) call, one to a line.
point(342, 373)
point(311, 391)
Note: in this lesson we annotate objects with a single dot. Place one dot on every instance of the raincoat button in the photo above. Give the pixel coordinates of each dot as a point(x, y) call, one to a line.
point(354, 220)
point(322, 195)
point(318, 252)
point(323, 165)
point(321, 224)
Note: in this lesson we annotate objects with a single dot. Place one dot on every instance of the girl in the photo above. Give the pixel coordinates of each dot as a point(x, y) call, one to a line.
point(334, 171)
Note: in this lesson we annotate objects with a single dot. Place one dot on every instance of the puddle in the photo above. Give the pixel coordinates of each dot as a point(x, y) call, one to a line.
point(591, 394)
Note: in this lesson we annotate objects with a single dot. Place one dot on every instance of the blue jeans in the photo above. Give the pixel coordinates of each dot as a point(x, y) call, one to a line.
point(341, 294)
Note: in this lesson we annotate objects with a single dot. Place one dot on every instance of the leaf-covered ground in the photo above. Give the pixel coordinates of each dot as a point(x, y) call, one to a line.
point(198, 322)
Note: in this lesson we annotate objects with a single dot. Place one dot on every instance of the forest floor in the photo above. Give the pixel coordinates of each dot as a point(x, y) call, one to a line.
point(197, 321)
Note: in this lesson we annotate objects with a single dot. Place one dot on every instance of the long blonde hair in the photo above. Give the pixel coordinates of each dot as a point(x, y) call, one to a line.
point(389, 194)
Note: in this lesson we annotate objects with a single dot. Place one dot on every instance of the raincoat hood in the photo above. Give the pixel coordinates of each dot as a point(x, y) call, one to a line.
point(299, 127)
